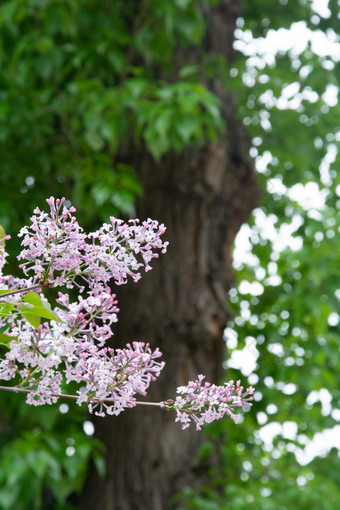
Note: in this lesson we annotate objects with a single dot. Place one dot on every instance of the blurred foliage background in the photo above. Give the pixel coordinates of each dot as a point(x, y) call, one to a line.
point(285, 333)
point(79, 81)
point(83, 79)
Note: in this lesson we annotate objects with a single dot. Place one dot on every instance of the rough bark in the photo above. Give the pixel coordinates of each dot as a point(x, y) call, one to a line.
point(203, 196)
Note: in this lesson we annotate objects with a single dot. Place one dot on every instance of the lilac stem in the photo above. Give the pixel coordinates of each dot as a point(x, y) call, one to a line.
point(16, 389)
point(18, 291)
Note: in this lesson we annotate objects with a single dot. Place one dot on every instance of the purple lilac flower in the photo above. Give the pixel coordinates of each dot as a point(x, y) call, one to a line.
point(55, 244)
point(58, 252)
point(3, 252)
point(115, 376)
point(205, 403)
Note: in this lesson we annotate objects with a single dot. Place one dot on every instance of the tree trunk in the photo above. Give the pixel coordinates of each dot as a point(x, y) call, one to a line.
point(203, 196)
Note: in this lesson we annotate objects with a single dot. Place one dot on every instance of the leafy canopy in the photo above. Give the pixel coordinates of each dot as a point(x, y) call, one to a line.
point(81, 81)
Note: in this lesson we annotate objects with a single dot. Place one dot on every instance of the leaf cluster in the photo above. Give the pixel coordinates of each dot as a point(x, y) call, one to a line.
point(44, 456)
point(84, 81)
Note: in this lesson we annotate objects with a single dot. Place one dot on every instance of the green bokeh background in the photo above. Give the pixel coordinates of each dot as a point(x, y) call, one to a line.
point(79, 82)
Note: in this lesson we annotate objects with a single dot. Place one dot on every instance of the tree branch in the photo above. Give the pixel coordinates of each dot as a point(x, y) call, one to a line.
point(16, 389)
point(18, 291)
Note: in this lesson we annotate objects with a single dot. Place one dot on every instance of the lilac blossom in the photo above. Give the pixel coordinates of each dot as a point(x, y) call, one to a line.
point(57, 250)
point(115, 376)
point(3, 252)
point(44, 356)
point(109, 378)
point(55, 244)
point(116, 246)
point(206, 403)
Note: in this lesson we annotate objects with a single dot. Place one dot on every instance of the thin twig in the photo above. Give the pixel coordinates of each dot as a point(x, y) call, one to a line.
point(16, 389)
point(18, 291)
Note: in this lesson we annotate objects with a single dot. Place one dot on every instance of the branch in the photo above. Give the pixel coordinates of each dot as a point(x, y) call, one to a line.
point(18, 291)
point(16, 389)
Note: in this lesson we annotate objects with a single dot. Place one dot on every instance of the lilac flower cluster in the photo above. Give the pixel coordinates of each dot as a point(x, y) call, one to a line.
point(3, 252)
point(59, 251)
point(206, 403)
point(70, 347)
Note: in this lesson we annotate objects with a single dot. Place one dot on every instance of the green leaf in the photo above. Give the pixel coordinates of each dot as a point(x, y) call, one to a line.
point(186, 126)
point(186, 71)
point(34, 320)
point(41, 308)
point(6, 309)
point(54, 314)
point(33, 298)
point(2, 235)
point(5, 340)
point(39, 311)
point(94, 141)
